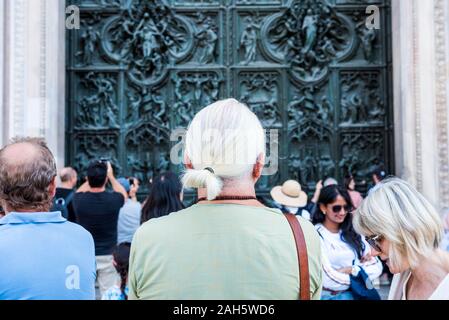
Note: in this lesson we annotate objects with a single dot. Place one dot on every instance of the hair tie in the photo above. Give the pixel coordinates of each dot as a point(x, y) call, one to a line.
point(210, 170)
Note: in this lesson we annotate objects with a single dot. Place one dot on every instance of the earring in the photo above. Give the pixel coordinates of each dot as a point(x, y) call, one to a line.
point(324, 212)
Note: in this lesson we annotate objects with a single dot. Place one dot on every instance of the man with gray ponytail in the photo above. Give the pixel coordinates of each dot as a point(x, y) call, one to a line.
point(228, 245)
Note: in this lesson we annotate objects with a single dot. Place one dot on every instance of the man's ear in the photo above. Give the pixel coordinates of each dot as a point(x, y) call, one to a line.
point(187, 162)
point(258, 167)
point(52, 187)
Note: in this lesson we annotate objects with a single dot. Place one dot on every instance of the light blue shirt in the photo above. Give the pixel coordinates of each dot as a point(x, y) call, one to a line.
point(128, 221)
point(45, 257)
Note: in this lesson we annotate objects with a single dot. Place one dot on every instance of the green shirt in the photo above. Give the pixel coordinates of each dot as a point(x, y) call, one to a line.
point(221, 252)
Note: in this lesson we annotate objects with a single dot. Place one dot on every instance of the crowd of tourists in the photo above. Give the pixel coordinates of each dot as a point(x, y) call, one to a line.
point(98, 241)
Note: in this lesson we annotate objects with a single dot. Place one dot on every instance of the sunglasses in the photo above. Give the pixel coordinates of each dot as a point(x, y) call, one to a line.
point(373, 241)
point(337, 208)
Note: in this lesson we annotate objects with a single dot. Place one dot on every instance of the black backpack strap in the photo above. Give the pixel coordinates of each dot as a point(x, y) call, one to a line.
point(69, 198)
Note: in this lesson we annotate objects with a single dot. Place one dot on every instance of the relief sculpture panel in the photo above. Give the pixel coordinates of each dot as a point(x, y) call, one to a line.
point(310, 69)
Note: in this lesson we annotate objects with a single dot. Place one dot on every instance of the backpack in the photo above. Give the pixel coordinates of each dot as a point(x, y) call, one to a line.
point(61, 204)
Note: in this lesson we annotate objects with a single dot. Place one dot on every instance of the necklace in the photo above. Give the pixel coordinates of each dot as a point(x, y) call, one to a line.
point(226, 198)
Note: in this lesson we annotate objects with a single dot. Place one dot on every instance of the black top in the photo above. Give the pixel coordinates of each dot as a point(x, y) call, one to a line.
point(98, 213)
point(64, 194)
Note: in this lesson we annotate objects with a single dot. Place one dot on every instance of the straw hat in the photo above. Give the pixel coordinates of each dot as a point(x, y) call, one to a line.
point(289, 194)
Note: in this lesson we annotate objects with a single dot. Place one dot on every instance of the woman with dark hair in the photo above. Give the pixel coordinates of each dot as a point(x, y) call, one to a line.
point(344, 251)
point(356, 197)
point(164, 198)
point(121, 264)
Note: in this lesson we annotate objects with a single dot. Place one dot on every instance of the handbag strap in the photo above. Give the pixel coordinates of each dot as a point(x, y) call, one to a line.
point(303, 260)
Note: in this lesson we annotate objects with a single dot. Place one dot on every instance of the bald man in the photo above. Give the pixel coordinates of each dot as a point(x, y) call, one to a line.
point(44, 256)
point(64, 194)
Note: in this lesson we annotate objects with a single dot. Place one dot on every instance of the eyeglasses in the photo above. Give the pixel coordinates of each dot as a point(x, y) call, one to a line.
point(373, 241)
point(337, 208)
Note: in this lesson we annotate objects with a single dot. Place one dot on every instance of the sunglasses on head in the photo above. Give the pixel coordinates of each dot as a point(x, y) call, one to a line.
point(373, 241)
point(337, 208)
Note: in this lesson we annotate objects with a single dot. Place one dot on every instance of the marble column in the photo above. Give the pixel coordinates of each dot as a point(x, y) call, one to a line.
point(32, 43)
point(420, 50)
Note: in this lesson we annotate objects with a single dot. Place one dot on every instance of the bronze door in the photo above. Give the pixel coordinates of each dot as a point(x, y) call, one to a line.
point(139, 70)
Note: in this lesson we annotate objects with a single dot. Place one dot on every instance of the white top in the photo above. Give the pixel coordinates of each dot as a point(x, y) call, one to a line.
point(304, 213)
point(398, 289)
point(338, 254)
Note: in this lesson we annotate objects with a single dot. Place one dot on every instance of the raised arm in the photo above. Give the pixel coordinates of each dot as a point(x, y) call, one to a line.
point(116, 186)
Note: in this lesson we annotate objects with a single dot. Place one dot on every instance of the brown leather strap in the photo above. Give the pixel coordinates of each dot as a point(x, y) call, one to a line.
point(303, 260)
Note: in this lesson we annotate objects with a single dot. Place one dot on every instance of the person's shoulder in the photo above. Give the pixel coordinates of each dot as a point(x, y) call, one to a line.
point(134, 204)
point(310, 231)
point(82, 195)
point(157, 226)
point(318, 226)
point(115, 195)
point(77, 231)
point(168, 219)
point(60, 192)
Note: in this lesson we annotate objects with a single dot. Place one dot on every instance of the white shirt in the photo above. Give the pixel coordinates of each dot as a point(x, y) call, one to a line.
point(304, 213)
point(337, 254)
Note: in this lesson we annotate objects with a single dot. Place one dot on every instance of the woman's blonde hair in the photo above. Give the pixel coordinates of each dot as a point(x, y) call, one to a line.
point(396, 211)
point(223, 142)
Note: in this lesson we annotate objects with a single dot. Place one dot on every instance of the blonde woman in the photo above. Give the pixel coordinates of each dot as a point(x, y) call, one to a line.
point(405, 231)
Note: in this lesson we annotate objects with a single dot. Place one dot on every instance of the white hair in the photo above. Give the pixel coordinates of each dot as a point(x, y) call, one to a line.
point(396, 211)
point(223, 142)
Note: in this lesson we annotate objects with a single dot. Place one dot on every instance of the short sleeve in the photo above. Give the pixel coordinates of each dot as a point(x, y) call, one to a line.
point(120, 200)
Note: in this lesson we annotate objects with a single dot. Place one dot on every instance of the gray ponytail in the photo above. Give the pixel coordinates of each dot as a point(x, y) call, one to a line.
point(203, 179)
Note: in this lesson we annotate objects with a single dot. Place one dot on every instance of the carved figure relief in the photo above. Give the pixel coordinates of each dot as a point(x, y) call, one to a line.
point(207, 38)
point(261, 93)
point(98, 108)
point(249, 38)
point(361, 101)
point(308, 105)
point(309, 68)
point(361, 153)
point(308, 36)
point(147, 36)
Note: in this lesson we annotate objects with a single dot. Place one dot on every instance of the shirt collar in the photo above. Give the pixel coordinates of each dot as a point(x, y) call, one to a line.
point(32, 217)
